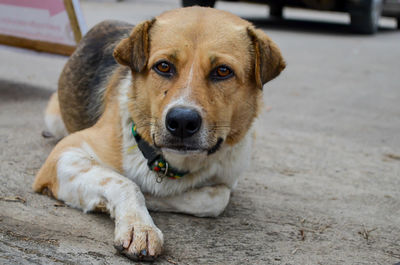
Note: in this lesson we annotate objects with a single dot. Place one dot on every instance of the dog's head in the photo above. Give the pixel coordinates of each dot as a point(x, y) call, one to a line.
point(197, 78)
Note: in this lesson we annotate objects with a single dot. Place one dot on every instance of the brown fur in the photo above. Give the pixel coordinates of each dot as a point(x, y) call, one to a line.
point(53, 107)
point(203, 42)
point(196, 41)
point(134, 51)
point(86, 74)
point(103, 137)
point(231, 104)
point(105, 181)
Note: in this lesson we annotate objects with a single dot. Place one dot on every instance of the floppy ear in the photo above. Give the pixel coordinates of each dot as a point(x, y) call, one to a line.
point(268, 59)
point(134, 50)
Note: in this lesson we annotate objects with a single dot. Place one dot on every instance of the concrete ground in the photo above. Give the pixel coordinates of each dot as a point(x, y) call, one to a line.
point(325, 183)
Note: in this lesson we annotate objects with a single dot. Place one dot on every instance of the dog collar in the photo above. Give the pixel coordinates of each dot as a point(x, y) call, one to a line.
point(155, 160)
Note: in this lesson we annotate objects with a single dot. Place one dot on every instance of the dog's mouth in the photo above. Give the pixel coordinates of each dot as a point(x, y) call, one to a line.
point(188, 149)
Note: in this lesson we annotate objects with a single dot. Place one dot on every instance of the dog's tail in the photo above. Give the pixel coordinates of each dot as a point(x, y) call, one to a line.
point(55, 126)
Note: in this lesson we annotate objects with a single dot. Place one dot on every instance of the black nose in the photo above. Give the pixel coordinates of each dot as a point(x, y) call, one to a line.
point(183, 122)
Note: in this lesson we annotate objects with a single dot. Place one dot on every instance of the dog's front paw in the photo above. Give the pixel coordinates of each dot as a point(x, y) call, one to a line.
point(138, 241)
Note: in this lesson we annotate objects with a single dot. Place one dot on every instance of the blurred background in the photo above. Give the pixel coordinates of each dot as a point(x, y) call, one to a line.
point(313, 19)
point(324, 186)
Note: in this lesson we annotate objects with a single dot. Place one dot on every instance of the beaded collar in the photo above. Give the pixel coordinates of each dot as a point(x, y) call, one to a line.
point(155, 160)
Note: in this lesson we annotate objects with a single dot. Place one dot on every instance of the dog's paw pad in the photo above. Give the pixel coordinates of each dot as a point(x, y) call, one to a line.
point(140, 242)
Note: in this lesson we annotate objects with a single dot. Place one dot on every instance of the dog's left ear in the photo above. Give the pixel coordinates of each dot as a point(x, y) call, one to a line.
point(269, 62)
point(134, 50)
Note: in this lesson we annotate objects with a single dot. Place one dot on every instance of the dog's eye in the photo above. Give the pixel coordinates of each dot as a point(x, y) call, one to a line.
point(221, 72)
point(164, 68)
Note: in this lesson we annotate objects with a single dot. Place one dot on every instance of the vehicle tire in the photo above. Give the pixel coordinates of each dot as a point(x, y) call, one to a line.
point(207, 3)
point(276, 11)
point(398, 23)
point(366, 20)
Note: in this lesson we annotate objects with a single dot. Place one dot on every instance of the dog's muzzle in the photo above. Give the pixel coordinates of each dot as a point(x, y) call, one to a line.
point(183, 122)
point(184, 133)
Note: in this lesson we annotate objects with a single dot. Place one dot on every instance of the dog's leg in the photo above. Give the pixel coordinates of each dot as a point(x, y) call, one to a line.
point(52, 117)
point(77, 176)
point(207, 201)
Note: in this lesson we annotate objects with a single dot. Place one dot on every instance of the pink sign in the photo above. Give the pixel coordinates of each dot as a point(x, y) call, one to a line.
point(54, 6)
point(42, 20)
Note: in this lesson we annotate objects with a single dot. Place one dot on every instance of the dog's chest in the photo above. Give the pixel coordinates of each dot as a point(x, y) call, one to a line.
point(222, 167)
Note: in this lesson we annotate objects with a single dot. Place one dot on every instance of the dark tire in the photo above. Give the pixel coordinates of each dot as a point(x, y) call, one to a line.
point(206, 3)
point(398, 23)
point(276, 11)
point(366, 20)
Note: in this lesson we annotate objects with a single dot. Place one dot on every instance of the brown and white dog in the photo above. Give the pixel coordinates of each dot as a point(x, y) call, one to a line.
point(157, 117)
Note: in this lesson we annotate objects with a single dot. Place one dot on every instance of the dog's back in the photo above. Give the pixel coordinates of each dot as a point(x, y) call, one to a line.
point(83, 80)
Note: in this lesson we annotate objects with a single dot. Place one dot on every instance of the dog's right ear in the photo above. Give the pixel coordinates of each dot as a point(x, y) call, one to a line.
point(134, 50)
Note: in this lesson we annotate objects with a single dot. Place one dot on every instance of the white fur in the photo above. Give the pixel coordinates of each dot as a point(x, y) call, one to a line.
point(207, 201)
point(190, 77)
point(221, 168)
point(86, 183)
point(55, 125)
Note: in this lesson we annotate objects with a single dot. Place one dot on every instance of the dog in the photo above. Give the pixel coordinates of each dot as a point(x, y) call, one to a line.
point(157, 116)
